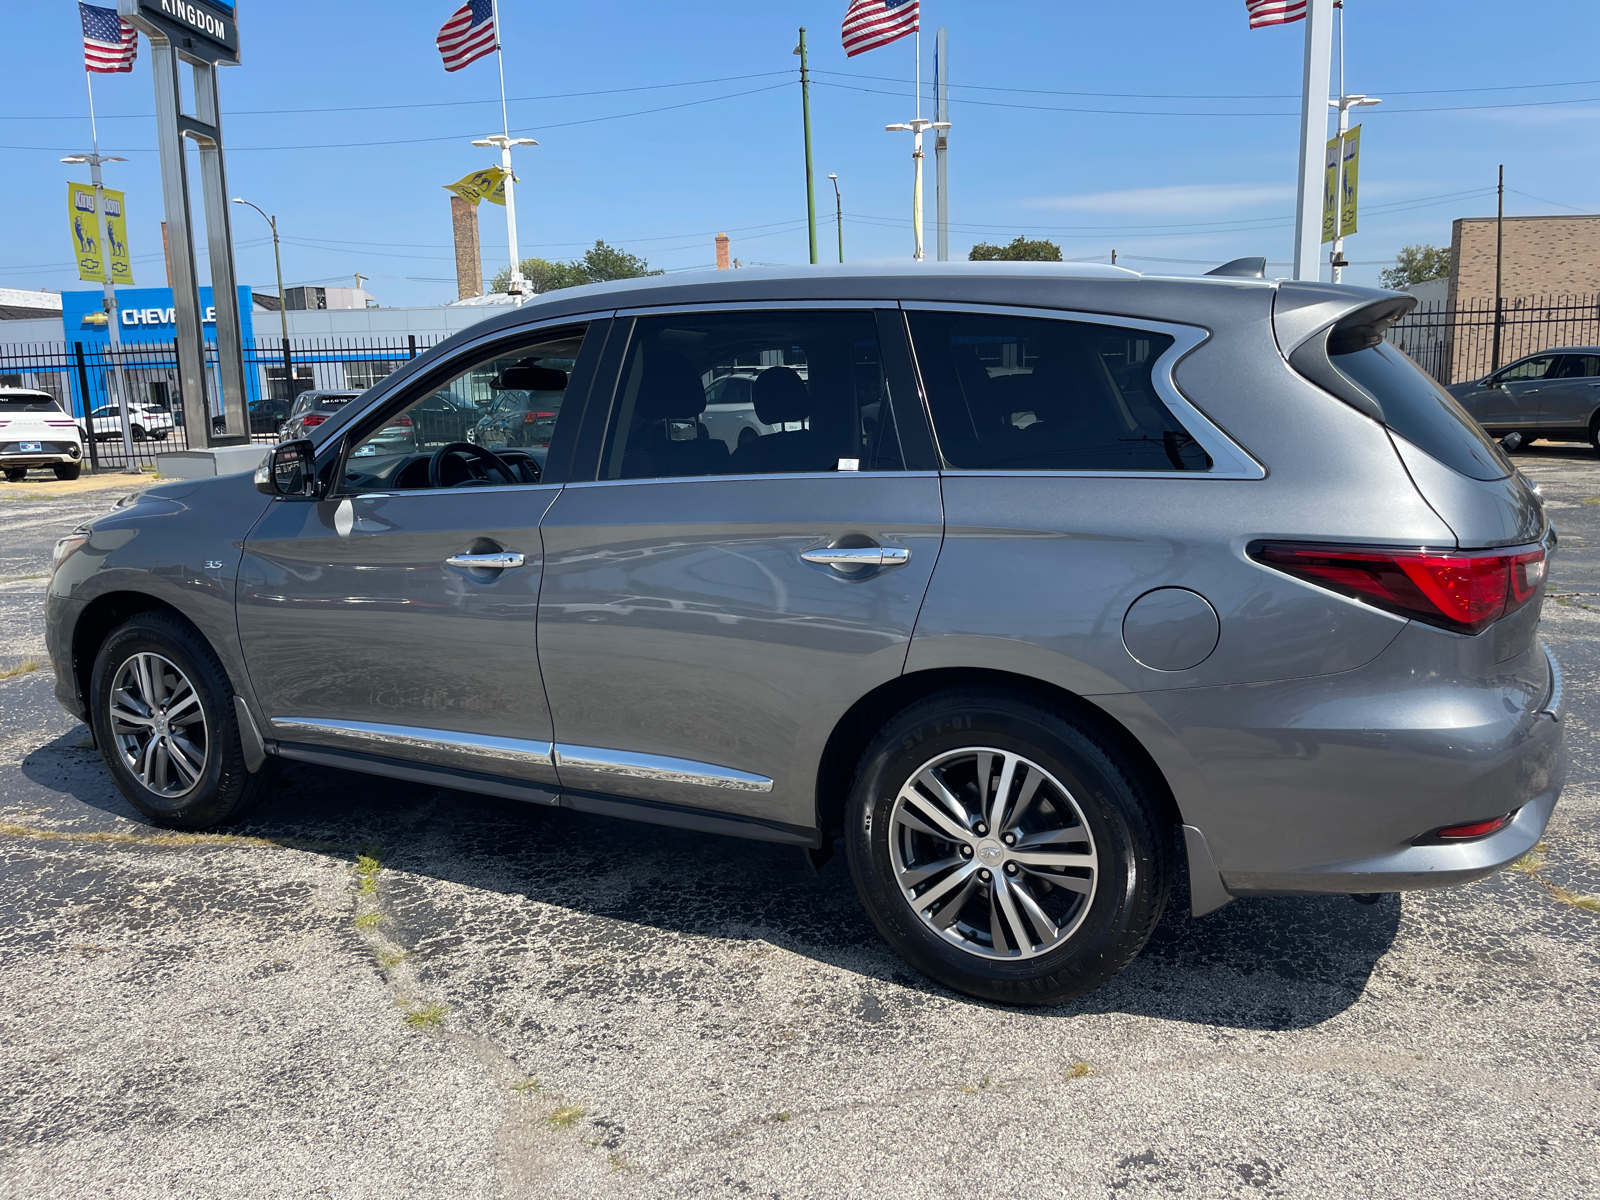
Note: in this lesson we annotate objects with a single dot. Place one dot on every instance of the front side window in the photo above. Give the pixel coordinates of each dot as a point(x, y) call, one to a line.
point(1039, 394)
point(1533, 368)
point(488, 424)
point(757, 393)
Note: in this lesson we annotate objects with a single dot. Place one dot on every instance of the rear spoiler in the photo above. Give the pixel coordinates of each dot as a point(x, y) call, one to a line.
point(1313, 321)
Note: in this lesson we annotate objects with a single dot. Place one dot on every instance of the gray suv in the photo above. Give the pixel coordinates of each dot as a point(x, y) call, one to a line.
point(1554, 394)
point(1043, 584)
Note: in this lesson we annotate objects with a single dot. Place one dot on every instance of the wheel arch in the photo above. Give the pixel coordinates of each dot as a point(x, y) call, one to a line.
point(855, 730)
point(99, 617)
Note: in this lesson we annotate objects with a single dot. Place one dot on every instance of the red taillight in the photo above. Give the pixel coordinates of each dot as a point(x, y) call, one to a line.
point(402, 420)
point(528, 418)
point(310, 419)
point(1463, 592)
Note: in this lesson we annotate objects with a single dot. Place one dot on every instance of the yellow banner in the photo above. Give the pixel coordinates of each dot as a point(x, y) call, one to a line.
point(1330, 190)
point(1352, 171)
point(85, 224)
point(488, 184)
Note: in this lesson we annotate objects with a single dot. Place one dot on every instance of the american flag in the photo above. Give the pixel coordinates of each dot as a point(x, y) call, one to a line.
point(468, 35)
point(1275, 12)
point(109, 42)
point(873, 23)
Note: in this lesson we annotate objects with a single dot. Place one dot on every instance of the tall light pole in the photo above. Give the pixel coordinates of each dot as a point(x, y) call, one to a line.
point(915, 128)
point(838, 213)
point(283, 303)
point(1313, 138)
point(1344, 104)
point(505, 141)
point(113, 330)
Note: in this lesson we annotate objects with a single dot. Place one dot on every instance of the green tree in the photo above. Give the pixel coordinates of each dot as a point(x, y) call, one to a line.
point(1020, 250)
point(1416, 264)
point(599, 264)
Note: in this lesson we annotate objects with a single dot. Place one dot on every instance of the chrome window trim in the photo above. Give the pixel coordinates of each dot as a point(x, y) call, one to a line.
point(693, 308)
point(380, 394)
point(656, 768)
point(407, 493)
point(592, 483)
point(411, 737)
point(1229, 460)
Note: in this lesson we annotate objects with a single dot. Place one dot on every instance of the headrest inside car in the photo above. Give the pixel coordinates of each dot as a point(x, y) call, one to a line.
point(780, 396)
point(526, 378)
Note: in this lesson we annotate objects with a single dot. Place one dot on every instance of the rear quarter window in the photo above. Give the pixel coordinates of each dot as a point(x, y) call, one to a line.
point(1419, 410)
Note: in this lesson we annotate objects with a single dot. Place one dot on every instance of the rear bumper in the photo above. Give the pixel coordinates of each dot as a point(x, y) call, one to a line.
point(1323, 785)
point(49, 455)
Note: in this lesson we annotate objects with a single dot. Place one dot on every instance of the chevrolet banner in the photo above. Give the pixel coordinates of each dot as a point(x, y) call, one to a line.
point(1347, 191)
point(1330, 190)
point(85, 224)
point(488, 184)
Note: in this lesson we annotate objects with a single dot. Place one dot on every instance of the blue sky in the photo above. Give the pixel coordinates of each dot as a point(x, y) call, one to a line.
point(1187, 159)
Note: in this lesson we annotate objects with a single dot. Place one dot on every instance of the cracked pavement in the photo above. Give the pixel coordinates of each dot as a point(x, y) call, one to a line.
point(520, 1002)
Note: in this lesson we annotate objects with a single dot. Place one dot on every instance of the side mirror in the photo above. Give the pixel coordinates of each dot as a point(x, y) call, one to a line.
point(289, 470)
point(1511, 441)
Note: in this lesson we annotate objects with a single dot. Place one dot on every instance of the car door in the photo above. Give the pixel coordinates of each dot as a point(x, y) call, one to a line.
point(396, 617)
point(1512, 398)
point(709, 615)
point(1569, 399)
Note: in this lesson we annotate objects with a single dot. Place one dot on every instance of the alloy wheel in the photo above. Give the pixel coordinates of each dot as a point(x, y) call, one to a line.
point(159, 725)
point(992, 853)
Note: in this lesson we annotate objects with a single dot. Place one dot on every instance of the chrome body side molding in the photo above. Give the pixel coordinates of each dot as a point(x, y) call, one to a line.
point(656, 768)
point(489, 752)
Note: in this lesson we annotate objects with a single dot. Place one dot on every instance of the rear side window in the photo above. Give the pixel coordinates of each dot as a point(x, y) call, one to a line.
point(1037, 394)
point(1419, 410)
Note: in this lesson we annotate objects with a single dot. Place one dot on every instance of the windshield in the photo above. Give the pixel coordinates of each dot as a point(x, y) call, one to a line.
point(33, 404)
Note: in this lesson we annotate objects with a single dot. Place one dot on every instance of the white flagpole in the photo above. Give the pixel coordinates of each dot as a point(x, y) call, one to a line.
point(505, 141)
point(1313, 140)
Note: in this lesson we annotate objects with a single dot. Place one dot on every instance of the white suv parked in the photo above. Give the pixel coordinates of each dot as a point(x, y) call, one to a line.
point(34, 432)
point(143, 420)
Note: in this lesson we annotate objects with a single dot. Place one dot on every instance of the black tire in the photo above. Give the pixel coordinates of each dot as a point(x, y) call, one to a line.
point(160, 435)
point(16, 474)
point(137, 433)
point(1594, 434)
point(1104, 931)
point(225, 789)
point(68, 470)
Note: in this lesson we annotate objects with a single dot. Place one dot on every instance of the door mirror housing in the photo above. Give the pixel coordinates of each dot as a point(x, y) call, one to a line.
point(289, 471)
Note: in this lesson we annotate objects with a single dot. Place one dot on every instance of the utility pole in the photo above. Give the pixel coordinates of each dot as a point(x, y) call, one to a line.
point(805, 113)
point(1313, 138)
point(1499, 260)
point(941, 143)
point(283, 302)
point(838, 213)
point(1344, 104)
point(113, 321)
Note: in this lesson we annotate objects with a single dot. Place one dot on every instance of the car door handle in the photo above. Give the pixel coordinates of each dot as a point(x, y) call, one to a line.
point(858, 556)
point(500, 560)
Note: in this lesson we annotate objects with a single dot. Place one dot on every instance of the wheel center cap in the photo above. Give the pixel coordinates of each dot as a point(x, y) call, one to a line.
point(991, 852)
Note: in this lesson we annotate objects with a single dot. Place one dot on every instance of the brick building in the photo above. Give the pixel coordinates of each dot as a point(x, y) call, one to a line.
point(1543, 256)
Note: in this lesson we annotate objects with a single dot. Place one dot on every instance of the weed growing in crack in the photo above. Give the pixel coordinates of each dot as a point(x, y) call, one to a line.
point(1078, 1070)
point(1532, 863)
point(390, 959)
point(618, 1163)
point(370, 919)
point(22, 668)
point(525, 1086)
point(983, 1085)
point(427, 1016)
point(565, 1116)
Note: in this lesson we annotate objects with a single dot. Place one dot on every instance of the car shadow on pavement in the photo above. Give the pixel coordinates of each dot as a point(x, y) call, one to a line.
point(1268, 964)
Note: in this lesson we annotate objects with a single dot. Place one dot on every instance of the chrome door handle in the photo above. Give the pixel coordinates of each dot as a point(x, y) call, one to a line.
point(501, 560)
point(858, 556)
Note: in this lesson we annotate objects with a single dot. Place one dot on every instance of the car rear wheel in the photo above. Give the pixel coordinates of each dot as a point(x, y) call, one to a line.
point(16, 474)
point(164, 719)
point(1003, 850)
point(138, 433)
point(1594, 434)
point(68, 470)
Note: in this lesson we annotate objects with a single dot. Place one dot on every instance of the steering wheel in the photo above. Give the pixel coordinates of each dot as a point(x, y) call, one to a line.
point(488, 458)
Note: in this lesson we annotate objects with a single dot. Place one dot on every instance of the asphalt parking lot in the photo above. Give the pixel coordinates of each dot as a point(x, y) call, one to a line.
point(374, 989)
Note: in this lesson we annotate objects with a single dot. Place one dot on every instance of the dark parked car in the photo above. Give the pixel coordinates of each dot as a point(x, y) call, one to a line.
point(312, 409)
point(1554, 394)
point(522, 414)
point(268, 415)
point(1044, 578)
point(435, 421)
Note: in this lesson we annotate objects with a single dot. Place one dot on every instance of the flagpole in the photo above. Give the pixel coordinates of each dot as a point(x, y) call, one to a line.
point(109, 303)
point(515, 286)
point(1313, 139)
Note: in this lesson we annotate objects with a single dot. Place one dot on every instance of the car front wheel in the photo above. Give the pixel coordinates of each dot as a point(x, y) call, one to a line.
point(165, 723)
point(1004, 850)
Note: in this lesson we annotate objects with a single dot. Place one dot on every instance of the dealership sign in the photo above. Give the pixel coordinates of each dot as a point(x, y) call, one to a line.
point(186, 19)
point(144, 315)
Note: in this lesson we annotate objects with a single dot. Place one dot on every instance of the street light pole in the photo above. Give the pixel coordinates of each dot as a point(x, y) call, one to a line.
point(838, 213)
point(1344, 104)
point(283, 303)
point(915, 128)
point(505, 141)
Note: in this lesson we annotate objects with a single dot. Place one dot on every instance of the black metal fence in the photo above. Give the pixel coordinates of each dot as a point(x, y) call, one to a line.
point(81, 375)
point(1456, 345)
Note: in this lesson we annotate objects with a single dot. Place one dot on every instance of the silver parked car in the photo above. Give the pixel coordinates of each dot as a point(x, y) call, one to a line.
point(1554, 394)
point(1046, 580)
